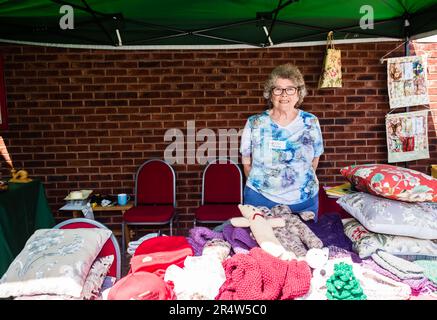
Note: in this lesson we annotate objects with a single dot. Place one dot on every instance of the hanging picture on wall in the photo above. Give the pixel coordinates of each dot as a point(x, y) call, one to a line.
point(3, 114)
point(407, 81)
point(407, 136)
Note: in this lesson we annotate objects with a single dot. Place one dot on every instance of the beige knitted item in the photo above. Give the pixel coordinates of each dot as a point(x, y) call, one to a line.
point(379, 287)
point(401, 268)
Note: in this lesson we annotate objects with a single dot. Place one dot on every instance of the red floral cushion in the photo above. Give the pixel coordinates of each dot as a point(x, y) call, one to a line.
point(392, 182)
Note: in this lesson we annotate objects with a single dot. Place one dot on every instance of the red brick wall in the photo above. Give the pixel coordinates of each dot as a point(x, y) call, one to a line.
point(86, 119)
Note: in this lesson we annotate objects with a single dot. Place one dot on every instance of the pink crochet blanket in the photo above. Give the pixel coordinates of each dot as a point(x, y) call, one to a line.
point(260, 276)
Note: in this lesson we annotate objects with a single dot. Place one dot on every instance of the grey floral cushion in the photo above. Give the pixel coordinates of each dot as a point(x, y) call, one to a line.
point(54, 261)
point(365, 242)
point(381, 215)
point(91, 288)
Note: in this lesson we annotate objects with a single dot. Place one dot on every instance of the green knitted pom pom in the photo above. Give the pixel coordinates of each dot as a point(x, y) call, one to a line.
point(343, 285)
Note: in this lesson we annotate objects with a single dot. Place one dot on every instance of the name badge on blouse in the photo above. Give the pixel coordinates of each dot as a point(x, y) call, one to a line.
point(277, 144)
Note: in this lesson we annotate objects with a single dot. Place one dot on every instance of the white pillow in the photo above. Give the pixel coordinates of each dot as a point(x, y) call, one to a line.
point(54, 261)
point(381, 215)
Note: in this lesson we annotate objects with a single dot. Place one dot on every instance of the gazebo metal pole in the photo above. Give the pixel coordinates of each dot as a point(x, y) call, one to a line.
point(407, 53)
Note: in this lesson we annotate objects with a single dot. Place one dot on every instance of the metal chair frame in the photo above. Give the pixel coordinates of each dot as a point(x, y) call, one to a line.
point(203, 186)
point(173, 219)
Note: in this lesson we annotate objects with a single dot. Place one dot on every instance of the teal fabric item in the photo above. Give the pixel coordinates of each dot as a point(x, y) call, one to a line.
point(430, 267)
point(23, 209)
point(200, 22)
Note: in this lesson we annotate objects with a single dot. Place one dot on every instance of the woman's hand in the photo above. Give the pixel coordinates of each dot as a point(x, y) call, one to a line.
point(247, 165)
point(315, 163)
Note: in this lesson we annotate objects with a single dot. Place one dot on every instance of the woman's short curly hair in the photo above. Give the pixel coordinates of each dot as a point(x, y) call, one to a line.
point(285, 71)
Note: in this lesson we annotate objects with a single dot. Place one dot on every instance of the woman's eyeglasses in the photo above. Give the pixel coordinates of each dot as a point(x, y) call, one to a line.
point(289, 91)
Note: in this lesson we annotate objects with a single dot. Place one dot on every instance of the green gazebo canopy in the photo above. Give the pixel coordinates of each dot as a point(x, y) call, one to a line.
point(259, 23)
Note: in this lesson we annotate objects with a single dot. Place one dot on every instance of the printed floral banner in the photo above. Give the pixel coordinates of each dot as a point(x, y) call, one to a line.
point(407, 81)
point(331, 73)
point(407, 136)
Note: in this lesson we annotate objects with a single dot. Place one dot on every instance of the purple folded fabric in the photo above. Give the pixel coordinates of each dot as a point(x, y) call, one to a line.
point(199, 236)
point(330, 230)
point(336, 252)
point(239, 238)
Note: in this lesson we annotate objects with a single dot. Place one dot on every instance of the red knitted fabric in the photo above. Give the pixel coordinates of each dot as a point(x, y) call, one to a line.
point(298, 280)
point(160, 252)
point(253, 276)
point(152, 262)
point(161, 244)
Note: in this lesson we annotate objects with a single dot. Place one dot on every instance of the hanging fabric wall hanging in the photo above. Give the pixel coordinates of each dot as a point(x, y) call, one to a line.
point(407, 81)
point(407, 136)
point(331, 73)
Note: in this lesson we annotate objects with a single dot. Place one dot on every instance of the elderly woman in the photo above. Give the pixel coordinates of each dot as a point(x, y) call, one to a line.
point(281, 147)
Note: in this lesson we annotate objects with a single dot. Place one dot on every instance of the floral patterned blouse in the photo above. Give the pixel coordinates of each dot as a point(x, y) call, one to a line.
point(282, 156)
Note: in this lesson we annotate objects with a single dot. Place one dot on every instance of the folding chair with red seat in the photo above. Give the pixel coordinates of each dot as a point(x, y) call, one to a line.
point(222, 191)
point(111, 246)
point(155, 197)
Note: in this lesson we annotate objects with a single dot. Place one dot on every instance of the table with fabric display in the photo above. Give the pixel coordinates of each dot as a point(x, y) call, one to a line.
point(23, 209)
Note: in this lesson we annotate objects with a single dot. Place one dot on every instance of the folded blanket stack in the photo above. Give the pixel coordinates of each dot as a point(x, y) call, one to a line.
point(375, 285)
point(402, 268)
point(421, 286)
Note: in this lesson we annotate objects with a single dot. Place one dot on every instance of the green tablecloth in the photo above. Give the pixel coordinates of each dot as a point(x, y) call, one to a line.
point(23, 209)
